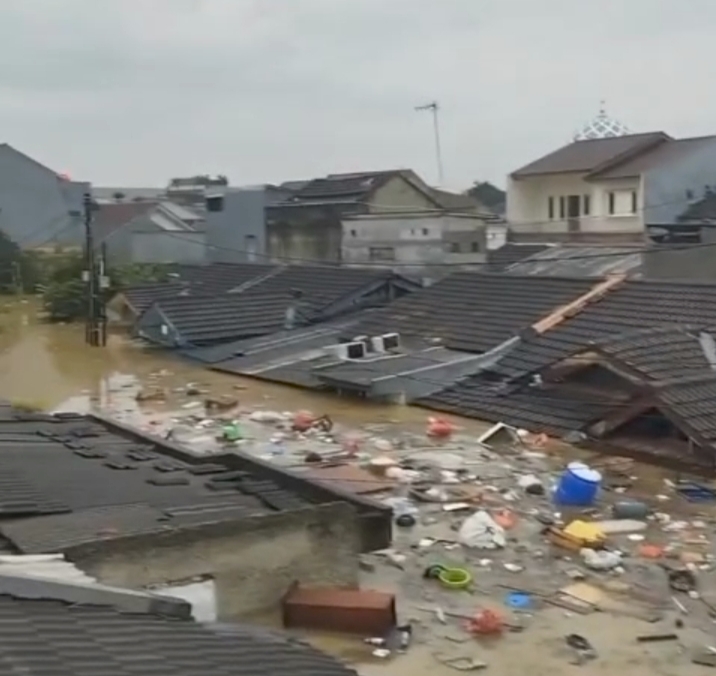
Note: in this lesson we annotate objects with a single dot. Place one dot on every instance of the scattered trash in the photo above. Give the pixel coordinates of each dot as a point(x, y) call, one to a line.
point(588, 533)
point(505, 519)
point(439, 428)
point(600, 559)
point(224, 402)
point(486, 623)
point(405, 521)
point(630, 509)
point(650, 551)
point(266, 417)
point(455, 578)
point(481, 531)
point(584, 649)
point(578, 486)
point(682, 580)
point(461, 662)
point(519, 600)
point(653, 638)
point(694, 492)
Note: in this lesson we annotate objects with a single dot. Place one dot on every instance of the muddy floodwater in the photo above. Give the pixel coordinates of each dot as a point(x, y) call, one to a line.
point(50, 367)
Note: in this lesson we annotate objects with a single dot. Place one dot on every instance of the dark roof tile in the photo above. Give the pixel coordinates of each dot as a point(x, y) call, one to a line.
point(50, 637)
point(507, 255)
point(474, 312)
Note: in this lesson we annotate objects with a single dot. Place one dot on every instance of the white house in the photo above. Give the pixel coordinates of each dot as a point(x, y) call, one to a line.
point(609, 189)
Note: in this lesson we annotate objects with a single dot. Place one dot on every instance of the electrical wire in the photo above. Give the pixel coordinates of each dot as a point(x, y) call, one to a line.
point(627, 250)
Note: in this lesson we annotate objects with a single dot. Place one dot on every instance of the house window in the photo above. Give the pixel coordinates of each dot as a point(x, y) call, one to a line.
point(622, 202)
point(426, 232)
point(562, 207)
point(454, 247)
point(354, 233)
point(381, 253)
point(475, 247)
point(550, 208)
point(586, 205)
point(215, 204)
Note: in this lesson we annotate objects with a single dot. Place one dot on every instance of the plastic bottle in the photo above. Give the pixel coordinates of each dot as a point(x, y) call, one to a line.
point(630, 509)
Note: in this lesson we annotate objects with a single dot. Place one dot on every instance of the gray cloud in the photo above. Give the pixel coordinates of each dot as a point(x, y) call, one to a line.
point(134, 91)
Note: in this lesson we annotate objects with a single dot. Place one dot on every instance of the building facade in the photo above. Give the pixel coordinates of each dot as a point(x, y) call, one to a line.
point(38, 207)
point(608, 189)
point(414, 243)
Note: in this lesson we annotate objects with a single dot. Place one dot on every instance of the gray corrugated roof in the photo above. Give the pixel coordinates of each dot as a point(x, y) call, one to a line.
point(580, 261)
point(587, 156)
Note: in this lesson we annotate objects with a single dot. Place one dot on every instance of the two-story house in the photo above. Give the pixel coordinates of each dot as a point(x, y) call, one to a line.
point(608, 189)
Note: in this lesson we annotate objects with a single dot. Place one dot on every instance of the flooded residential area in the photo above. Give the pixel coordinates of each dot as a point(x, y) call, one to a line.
point(528, 574)
point(357, 338)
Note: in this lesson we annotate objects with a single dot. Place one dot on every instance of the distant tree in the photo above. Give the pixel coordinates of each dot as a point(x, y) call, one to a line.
point(490, 195)
point(118, 196)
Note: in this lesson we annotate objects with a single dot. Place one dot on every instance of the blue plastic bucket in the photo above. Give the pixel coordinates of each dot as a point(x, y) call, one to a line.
point(578, 486)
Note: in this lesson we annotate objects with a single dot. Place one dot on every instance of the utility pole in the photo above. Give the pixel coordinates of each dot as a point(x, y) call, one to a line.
point(434, 108)
point(93, 332)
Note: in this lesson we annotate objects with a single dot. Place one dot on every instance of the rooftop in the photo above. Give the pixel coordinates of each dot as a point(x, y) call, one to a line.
point(260, 307)
point(510, 253)
point(579, 261)
point(69, 480)
point(592, 155)
point(50, 627)
point(474, 312)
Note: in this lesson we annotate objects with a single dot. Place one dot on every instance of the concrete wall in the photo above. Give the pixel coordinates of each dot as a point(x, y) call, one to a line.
point(305, 235)
point(164, 247)
point(142, 241)
point(238, 233)
point(414, 239)
point(37, 208)
point(528, 209)
point(399, 195)
point(670, 188)
point(683, 261)
point(253, 562)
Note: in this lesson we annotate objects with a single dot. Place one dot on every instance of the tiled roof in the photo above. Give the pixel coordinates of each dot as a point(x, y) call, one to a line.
point(554, 410)
point(69, 480)
point(41, 636)
point(474, 312)
point(592, 155)
point(342, 187)
point(693, 402)
point(262, 307)
point(196, 280)
point(635, 303)
point(508, 254)
point(659, 353)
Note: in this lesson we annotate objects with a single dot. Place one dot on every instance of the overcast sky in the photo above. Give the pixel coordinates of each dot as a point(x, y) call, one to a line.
point(131, 92)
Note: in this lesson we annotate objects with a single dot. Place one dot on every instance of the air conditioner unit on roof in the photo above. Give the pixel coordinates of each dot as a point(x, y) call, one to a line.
point(352, 350)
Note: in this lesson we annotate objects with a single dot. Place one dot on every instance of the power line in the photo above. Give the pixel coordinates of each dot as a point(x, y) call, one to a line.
point(384, 266)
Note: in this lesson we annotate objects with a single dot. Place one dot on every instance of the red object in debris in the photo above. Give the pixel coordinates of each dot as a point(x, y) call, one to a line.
point(355, 611)
point(505, 518)
point(303, 421)
point(439, 428)
point(486, 623)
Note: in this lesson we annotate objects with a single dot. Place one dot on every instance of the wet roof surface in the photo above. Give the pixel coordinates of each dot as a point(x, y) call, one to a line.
point(474, 312)
point(66, 481)
point(580, 261)
point(261, 308)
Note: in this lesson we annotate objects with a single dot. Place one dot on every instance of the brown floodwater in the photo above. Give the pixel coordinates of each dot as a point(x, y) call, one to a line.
point(51, 367)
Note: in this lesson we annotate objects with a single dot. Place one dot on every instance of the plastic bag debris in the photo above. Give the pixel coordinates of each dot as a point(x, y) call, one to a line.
point(481, 531)
point(601, 559)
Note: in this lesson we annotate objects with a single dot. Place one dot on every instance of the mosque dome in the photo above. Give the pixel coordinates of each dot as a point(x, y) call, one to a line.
point(602, 126)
